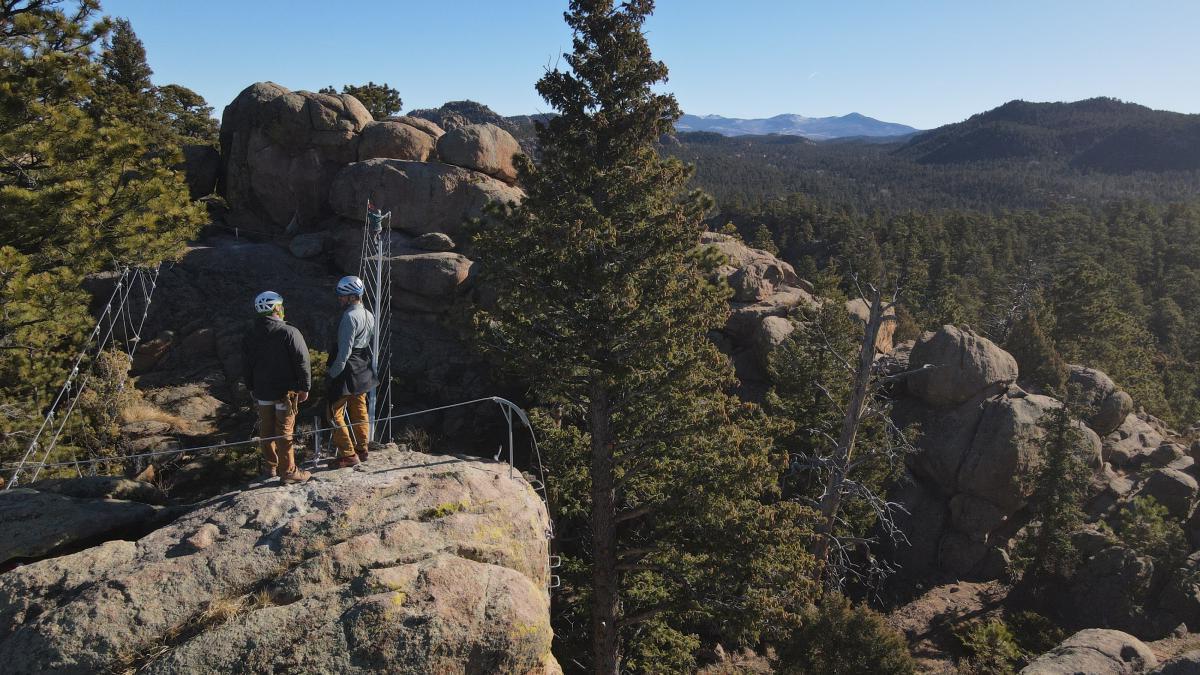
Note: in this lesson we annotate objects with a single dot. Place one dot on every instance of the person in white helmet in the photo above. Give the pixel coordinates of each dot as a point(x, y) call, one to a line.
point(350, 375)
point(276, 370)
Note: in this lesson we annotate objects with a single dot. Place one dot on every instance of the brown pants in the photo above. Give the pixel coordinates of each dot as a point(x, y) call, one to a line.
point(356, 406)
point(278, 419)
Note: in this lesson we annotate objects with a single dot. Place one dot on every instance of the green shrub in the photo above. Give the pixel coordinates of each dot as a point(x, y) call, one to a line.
point(990, 646)
point(839, 637)
point(1034, 633)
point(1144, 526)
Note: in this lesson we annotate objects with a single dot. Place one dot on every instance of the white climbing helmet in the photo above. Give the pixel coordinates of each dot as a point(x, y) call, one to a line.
point(267, 301)
point(350, 286)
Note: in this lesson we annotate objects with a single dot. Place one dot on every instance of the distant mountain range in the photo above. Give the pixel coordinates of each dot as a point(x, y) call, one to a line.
point(816, 128)
point(1098, 134)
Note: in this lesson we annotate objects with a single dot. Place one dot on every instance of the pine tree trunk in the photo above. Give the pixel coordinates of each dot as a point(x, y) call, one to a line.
point(831, 501)
point(605, 592)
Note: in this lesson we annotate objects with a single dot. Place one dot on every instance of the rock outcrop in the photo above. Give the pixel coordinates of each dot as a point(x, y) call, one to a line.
point(397, 138)
point(483, 147)
point(766, 291)
point(201, 168)
point(423, 196)
point(410, 563)
point(860, 311)
point(1132, 443)
point(970, 497)
point(977, 457)
point(1096, 652)
point(281, 149)
point(961, 365)
point(1105, 405)
point(282, 152)
point(1187, 663)
point(35, 524)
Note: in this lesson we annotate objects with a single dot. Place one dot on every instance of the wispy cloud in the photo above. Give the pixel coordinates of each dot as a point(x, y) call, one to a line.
point(813, 74)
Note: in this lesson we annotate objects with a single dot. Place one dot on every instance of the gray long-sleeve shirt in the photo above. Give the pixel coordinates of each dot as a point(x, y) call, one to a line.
point(355, 331)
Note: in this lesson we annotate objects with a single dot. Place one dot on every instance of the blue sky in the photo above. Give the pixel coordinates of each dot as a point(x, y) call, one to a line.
point(918, 62)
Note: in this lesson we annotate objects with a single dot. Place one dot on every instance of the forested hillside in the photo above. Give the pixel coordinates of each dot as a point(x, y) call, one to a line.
point(1099, 134)
point(869, 177)
point(1106, 262)
point(1111, 285)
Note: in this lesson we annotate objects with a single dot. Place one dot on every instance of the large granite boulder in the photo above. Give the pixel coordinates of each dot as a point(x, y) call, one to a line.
point(1108, 587)
point(348, 242)
point(772, 332)
point(397, 140)
point(423, 197)
point(1112, 412)
point(746, 317)
point(978, 461)
point(1097, 395)
point(434, 241)
point(1133, 442)
point(435, 275)
point(281, 149)
point(428, 126)
point(989, 447)
point(201, 168)
point(1172, 488)
point(482, 147)
point(1006, 451)
point(1091, 386)
point(1181, 596)
point(1095, 651)
point(34, 524)
point(962, 364)
point(410, 563)
point(213, 287)
point(753, 274)
point(309, 244)
point(946, 437)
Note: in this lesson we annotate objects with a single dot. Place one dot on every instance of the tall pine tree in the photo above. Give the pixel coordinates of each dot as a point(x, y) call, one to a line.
point(603, 303)
point(77, 195)
point(1038, 361)
point(124, 90)
point(1048, 555)
point(1094, 326)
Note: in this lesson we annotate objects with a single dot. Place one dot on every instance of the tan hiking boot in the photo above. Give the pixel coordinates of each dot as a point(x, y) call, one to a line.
point(297, 476)
point(344, 462)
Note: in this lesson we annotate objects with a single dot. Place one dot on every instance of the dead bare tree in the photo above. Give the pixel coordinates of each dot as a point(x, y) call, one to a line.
point(842, 557)
point(1014, 300)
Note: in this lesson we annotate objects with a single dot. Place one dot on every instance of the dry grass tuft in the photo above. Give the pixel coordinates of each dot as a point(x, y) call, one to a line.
point(218, 611)
point(145, 412)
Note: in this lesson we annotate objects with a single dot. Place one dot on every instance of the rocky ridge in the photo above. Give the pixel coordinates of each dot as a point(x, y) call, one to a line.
point(283, 151)
point(411, 562)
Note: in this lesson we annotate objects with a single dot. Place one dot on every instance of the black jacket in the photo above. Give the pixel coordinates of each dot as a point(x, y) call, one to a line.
point(274, 359)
